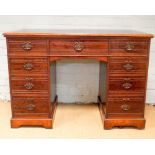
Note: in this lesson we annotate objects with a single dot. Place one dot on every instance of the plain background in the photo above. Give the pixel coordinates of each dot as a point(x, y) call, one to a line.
point(77, 80)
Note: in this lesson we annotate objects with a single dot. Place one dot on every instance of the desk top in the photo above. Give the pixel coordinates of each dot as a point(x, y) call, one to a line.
point(76, 32)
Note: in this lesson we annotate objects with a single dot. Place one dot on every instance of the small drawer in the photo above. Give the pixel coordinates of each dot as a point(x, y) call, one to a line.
point(125, 105)
point(126, 84)
point(78, 47)
point(28, 66)
point(128, 47)
point(30, 105)
point(27, 47)
point(29, 85)
point(131, 65)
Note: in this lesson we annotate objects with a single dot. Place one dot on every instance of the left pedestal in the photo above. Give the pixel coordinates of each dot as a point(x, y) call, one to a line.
point(30, 83)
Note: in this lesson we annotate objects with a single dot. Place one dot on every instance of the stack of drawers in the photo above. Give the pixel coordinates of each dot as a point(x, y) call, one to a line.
point(29, 78)
point(128, 63)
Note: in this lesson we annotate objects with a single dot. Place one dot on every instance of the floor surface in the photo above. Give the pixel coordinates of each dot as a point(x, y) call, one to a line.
point(75, 121)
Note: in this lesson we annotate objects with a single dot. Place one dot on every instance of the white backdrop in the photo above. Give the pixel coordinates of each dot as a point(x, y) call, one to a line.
point(84, 87)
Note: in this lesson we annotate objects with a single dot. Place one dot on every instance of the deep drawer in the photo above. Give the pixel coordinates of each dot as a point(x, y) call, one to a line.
point(78, 47)
point(27, 47)
point(30, 105)
point(28, 66)
point(125, 105)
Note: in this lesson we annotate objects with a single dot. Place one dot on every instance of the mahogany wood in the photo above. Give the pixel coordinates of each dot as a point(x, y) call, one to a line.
point(124, 55)
point(68, 47)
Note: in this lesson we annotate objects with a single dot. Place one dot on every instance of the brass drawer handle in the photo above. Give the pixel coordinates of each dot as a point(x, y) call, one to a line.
point(78, 46)
point(29, 85)
point(127, 85)
point(125, 107)
point(28, 79)
point(30, 107)
point(27, 46)
point(129, 47)
point(28, 66)
point(128, 66)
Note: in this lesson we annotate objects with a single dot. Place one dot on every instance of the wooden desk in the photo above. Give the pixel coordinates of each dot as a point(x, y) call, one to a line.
point(32, 55)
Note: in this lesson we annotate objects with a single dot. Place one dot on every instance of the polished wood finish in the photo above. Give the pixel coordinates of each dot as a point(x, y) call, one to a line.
point(123, 57)
point(46, 123)
point(67, 33)
point(36, 47)
point(78, 47)
point(28, 66)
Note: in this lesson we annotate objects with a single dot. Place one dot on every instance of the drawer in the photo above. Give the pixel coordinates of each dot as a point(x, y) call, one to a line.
point(30, 105)
point(78, 47)
point(27, 47)
point(128, 47)
point(126, 84)
point(130, 65)
point(28, 66)
point(29, 85)
point(125, 105)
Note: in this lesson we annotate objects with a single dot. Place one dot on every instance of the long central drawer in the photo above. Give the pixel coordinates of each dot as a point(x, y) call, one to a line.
point(78, 47)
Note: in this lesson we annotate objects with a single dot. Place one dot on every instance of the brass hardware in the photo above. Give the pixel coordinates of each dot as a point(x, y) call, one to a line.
point(30, 107)
point(28, 79)
point(126, 85)
point(29, 85)
point(125, 107)
point(27, 46)
point(28, 66)
point(129, 47)
point(128, 66)
point(78, 46)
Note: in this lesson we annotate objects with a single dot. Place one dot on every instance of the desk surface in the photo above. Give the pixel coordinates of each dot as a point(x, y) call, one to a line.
point(76, 32)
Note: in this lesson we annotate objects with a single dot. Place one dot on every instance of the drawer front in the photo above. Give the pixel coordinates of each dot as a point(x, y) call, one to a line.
point(72, 47)
point(125, 105)
point(27, 47)
point(128, 65)
point(28, 66)
point(29, 85)
point(30, 105)
point(128, 47)
point(126, 85)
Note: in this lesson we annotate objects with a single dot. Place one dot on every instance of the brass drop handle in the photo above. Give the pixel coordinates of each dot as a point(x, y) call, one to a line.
point(125, 107)
point(128, 66)
point(27, 46)
point(29, 85)
point(127, 84)
point(28, 66)
point(30, 107)
point(28, 79)
point(129, 47)
point(78, 46)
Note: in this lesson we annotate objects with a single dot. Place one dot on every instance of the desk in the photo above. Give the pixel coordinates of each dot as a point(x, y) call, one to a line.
point(123, 57)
